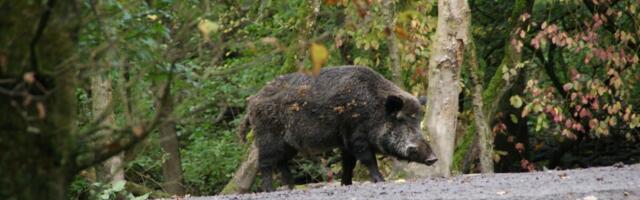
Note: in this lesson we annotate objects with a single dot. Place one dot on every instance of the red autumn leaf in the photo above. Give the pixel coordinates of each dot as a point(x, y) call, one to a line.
point(584, 113)
point(584, 100)
point(531, 167)
point(510, 139)
point(568, 123)
point(573, 96)
point(567, 87)
point(524, 164)
point(578, 127)
point(595, 105)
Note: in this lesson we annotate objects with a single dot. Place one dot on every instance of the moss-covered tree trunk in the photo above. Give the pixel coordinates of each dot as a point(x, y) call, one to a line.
point(498, 86)
point(101, 97)
point(172, 167)
point(484, 134)
point(245, 174)
point(37, 98)
point(444, 85)
point(101, 101)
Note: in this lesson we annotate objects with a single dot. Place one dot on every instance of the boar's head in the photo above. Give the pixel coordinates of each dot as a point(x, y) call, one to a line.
point(400, 135)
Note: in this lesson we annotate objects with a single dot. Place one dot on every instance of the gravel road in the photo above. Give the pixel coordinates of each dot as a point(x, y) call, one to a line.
point(622, 182)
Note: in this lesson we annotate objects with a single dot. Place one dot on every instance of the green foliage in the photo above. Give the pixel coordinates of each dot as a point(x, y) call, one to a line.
point(210, 160)
point(102, 191)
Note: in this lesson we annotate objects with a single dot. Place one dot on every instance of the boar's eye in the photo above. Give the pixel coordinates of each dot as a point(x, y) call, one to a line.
point(411, 150)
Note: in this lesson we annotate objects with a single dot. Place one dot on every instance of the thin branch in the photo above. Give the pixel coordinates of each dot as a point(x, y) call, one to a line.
point(549, 67)
point(42, 24)
point(131, 135)
point(472, 4)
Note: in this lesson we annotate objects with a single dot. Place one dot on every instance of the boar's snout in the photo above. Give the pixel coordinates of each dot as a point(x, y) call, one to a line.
point(421, 153)
point(427, 156)
point(430, 160)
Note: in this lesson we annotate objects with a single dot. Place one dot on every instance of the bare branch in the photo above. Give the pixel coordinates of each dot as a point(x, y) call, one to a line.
point(130, 135)
point(42, 24)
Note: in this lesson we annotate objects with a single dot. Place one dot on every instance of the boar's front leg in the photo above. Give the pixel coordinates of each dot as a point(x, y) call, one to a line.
point(285, 172)
point(275, 154)
point(283, 166)
point(348, 163)
point(267, 181)
point(366, 156)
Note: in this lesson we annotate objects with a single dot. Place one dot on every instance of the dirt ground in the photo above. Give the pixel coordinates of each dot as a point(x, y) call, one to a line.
point(616, 182)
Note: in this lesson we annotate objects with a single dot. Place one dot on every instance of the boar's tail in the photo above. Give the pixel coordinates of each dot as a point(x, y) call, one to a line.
point(244, 127)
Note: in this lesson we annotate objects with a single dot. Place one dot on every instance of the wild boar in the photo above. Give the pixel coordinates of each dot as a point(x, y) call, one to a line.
point(351, 108)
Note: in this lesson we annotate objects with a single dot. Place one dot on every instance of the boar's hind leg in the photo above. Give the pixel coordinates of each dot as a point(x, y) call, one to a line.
point(366, 155)
point(348, 163)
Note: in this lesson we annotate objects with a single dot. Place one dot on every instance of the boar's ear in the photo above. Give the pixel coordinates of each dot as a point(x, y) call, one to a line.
point(423, 100)
point(393, 104)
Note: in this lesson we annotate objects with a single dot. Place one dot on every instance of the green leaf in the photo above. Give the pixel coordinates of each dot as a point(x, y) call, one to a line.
point(319, 57)
point(516, 101)
point(118, 186)
point(141, 197)
point(537, 108)
point(514, 119)
point(104, 196)
point(539, 124)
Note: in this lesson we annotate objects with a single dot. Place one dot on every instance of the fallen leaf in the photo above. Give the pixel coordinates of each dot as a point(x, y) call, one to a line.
point(563, 176)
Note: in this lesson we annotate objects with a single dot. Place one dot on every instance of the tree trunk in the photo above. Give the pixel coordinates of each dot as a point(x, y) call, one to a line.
point(444, 85)
point(498, 86)
point(245, 175)
point(101, 92)
point(37, 99)
point(171, 168)
point(388, 9)
point(485, 136)
point(392, 44)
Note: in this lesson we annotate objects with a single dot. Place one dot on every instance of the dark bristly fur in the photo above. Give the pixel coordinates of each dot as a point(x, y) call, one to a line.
point(351, 108)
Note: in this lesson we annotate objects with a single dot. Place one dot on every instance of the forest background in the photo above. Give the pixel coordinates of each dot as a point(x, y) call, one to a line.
point(94, 93)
